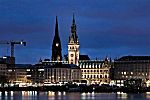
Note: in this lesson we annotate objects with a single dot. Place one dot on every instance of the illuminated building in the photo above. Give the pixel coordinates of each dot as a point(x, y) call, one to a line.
point(10, 65)
point(92, 71)
point(95, 71)
point(131, 67)
point(21, 72)
point(73, 45)
point(62, 73)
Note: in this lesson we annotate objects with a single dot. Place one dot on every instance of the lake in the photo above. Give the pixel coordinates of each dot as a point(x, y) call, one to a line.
point(34, 95)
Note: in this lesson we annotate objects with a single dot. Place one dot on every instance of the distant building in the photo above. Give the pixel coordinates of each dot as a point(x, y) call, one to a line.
point(62, 73)
point(38, 73)
point(131, 67)
point(8, 66)
point(21, 72)
point(95, 71)
point(3, 69)
point(73, 45)
point(56, 46)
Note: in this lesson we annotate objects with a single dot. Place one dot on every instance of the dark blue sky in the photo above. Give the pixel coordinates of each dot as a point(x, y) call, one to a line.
point(105, 27)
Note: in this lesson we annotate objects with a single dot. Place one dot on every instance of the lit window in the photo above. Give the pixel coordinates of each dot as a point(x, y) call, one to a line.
point(124, 73)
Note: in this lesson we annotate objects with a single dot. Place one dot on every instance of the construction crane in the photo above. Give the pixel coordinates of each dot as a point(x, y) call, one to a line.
point(12, 45)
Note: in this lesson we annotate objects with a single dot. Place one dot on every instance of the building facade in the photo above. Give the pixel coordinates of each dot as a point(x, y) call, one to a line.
point(21, 73)
point(95, 71)
point(3, 69)
point(62, 73)
point(131, 67)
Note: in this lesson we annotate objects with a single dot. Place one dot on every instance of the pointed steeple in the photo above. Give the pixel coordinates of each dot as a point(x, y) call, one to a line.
point(73, 21)
point(73, 35)
point(73, 45)
point(56, 46)
point(56, 28)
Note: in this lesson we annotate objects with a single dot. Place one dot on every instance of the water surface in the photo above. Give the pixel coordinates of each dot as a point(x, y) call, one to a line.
point(34, 95)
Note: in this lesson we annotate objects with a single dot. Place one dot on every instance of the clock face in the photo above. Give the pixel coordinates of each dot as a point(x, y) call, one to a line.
point(57, 44)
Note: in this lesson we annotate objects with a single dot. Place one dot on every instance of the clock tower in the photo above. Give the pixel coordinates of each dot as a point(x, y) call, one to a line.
point(73, 45)
point(56, 46)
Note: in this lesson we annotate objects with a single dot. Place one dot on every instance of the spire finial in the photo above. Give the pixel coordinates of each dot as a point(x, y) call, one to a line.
point(73, 19)
point(56, 27)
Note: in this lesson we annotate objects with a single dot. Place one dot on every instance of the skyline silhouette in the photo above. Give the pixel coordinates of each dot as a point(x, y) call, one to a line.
point(105, 28)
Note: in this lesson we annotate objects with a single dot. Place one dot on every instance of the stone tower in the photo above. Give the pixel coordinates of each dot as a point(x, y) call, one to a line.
point(56, 46)
point(73, 45)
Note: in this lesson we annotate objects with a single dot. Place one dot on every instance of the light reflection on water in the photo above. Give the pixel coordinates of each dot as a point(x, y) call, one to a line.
point(34, 95)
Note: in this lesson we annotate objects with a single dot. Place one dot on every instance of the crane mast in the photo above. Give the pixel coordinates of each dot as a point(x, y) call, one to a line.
point(13, 45)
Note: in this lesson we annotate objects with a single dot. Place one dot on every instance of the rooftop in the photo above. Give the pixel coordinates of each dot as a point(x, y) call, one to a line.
point(133, 58)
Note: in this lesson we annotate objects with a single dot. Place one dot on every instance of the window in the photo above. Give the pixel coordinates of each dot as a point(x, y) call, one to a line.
point(72, 55)
point(100, 76)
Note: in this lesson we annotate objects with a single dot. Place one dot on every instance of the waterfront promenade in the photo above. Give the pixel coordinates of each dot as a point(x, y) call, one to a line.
point(80, 88)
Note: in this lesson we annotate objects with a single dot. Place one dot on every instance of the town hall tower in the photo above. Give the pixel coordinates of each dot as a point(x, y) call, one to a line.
point(73, 45)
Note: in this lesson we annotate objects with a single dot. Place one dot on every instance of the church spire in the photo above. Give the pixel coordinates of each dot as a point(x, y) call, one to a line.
point(56, 28)
point(73, 27)
point(56, 46)
point(73, 36)
point(73, 21)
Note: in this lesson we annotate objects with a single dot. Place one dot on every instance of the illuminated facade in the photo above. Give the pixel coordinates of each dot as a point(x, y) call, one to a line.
point(131, 67)
point(95, 71)
point(21, 72)
point(62, 73)
point(8, 64)
point(73, 45)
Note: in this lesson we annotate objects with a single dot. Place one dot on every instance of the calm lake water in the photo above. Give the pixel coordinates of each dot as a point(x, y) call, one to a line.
point(34, 95)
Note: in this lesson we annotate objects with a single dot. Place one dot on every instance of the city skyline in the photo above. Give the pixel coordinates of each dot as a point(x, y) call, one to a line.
point(105, 28)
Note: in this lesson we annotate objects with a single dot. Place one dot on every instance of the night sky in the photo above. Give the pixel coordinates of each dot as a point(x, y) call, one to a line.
point(112, 28)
